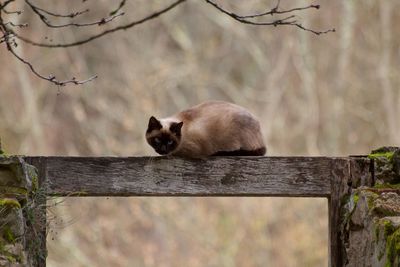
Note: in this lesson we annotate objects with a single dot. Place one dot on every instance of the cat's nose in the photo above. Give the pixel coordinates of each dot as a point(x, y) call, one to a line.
point(164, 148)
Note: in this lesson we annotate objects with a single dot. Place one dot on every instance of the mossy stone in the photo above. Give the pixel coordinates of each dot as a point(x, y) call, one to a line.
point(386, 164)
point(9, 203)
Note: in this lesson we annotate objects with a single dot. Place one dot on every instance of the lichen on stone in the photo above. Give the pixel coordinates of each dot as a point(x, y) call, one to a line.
point(377, 155)
point(391, 232)
point(8, 235)
point(32, 172)
point(11, 254)
point(355, 198)
point(371, 225)
point(386, 164)
point(15, 199)
point(387, 204)
point(9, 202)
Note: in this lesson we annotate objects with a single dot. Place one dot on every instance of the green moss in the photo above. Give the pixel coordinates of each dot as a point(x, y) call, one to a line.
point(392, 237)
point(8, 234)
point(13, 190)
point(32, 173)
point(371, 200)
point(377, 155)
point(356, 198)
point(376, 230)
point(388, 228)
point(345, 200)
point(387, 186)
point(393, 247)
point(11, 257)
point(9, 202)
point(2, 153)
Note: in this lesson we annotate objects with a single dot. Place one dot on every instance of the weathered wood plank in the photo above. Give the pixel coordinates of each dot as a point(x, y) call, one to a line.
point(340, 179)
point(162, 176)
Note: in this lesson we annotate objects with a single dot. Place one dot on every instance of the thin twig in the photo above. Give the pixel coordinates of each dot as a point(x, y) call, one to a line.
point(121, 5)
point(2, 6)
point(18, 12)
point(276, 10)
point(22, 25)
point(58, 15)
point(122, 27)
point(298, 25)
point(51, 78)
point(45, 20)
point(285, 21)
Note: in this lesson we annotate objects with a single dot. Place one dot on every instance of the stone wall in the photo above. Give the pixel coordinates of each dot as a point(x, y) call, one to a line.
point(371, 214)
point(19, 213)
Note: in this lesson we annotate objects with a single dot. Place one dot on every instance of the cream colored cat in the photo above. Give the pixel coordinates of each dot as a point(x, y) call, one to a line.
point(208, 129)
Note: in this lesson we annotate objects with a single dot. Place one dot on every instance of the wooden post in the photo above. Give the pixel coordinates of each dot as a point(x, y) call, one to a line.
point(339, 188)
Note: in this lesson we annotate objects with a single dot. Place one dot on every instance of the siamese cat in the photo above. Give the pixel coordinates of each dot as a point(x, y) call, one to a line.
point(212, 128)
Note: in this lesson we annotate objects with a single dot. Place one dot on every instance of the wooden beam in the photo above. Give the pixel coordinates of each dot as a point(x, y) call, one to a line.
point(340, 179)
point(163, 176)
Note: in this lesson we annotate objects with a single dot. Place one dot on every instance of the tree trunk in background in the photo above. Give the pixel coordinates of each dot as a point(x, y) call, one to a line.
point(389, 100)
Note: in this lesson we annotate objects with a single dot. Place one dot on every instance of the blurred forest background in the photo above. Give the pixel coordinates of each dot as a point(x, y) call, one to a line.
point(335, 94)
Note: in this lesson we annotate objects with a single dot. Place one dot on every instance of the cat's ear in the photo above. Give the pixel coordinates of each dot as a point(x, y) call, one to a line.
point(176, 128)
point(154, 124)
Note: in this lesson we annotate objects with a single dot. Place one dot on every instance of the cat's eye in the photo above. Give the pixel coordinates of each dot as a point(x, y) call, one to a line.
point(170, 142)
point(157, 140)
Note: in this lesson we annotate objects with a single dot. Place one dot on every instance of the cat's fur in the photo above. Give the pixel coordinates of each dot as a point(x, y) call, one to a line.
point(210, 128)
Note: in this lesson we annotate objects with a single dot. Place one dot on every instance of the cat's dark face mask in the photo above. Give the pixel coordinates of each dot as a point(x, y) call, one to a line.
point(164, 143)
point(163, 140)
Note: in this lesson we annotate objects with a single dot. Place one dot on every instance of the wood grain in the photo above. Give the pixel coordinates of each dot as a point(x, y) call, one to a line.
point(214, 176)
point(340, 178)
point(162, 176)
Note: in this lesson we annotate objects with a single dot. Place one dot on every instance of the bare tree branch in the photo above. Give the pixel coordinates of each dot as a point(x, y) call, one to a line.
point(70, 15)
point(2, 6)
point(40, 12)
point(10, 42)
point(18, 12)
point(287, 21)
point(121, 5)
point(22, 25)
point(122, 27)
point(9, 34)
point(51, 78)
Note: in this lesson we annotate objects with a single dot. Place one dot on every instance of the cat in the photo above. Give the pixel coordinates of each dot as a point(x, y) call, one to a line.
point(212, 128)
